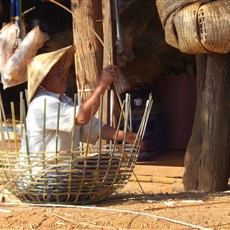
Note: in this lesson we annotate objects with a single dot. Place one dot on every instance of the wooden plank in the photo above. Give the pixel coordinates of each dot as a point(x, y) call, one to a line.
point(155, 179)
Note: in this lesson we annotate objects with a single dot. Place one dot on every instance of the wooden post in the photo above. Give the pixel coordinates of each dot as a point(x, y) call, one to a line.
point(92, 19)
point(87, 21)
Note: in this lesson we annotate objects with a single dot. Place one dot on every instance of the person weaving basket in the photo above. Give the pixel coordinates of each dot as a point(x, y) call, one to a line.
point(47, 79)
point(47, 83)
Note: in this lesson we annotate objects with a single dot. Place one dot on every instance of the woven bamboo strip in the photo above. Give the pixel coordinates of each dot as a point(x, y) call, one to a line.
point(90, 180)
point(185, 22)
point(196, 26)
point(214, 24)
point(5, 122)
point(167, 7)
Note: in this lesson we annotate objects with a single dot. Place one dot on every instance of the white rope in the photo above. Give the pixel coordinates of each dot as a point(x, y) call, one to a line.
point(113, 210)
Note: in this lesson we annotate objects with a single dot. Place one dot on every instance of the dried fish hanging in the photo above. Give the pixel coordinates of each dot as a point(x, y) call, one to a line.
point(10, 34)
point(16, 48)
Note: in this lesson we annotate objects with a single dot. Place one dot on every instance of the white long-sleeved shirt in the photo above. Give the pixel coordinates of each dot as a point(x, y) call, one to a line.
point(36, 118)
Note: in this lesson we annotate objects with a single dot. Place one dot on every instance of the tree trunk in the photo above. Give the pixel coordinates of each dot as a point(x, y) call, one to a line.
point(207, 159)
point(87, 21)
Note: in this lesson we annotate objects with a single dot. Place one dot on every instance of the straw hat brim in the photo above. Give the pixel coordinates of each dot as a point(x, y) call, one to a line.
point(42, 64)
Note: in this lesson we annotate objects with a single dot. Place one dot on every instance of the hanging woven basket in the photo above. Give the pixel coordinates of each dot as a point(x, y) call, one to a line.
point(196, 26)
point(185, 23)
point(214, 24)
point(167, 7)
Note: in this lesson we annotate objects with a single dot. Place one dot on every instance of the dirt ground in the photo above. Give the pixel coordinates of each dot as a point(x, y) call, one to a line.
point(162, 206)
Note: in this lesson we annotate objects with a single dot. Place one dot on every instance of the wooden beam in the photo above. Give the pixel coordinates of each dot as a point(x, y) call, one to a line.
point(87, 25)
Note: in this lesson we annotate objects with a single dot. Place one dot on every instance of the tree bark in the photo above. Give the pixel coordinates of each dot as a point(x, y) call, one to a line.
point(207, 159)
point(87, 21)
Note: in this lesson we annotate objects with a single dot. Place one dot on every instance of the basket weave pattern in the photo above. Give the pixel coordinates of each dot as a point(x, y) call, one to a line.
point(83, 175)
point(196, 26)
point(68, 177)
point(167, 7)
point(214, 24)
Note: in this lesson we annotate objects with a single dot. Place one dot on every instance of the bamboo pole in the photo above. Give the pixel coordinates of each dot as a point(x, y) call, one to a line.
point(26, 139)
point(21, 114)
point(72, 149)
point(14, 126)
point(118, 127)
point(3, 140)
point(111, 111)
point(44, 128)
point(74, 117)
point(44, 141)
point(57, 149)
point(100, 123)
point(108, 51)
point(5, 122)
point(89, 132)
point(126, 117)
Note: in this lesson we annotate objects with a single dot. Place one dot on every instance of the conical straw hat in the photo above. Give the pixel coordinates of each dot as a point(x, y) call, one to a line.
point(42, 64)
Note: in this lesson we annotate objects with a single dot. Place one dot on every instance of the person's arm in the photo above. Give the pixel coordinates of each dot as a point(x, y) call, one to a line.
point(107, 77)
point(109, 133)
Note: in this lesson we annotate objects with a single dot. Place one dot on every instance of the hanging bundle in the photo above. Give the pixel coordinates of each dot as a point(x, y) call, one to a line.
point(8, 42)
point(16, 49)
point(15, 70)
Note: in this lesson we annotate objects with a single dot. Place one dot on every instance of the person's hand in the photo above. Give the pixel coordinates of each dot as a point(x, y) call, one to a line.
point(108, 76)
point(131, 137)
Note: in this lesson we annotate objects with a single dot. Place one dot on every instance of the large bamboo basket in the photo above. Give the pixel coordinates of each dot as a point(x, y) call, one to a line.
point(88, 174)
point(88, 178)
